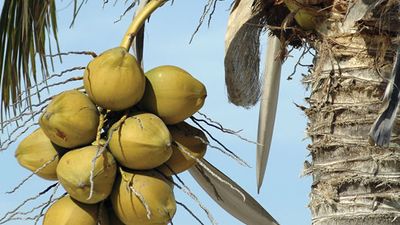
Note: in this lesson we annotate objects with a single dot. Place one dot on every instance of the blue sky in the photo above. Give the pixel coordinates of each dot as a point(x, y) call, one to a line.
point(284, 194)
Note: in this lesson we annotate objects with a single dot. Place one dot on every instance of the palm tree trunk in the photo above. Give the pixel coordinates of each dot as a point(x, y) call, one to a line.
point(353, 181)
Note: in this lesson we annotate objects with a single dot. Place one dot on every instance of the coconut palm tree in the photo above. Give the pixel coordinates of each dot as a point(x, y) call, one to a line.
point(355, 181)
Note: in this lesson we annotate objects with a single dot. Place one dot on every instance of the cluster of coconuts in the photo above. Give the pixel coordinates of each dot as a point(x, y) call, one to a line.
point(117, 171)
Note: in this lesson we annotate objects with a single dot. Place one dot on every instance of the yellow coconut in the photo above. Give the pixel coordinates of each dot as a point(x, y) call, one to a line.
point(307, 17)
point(132, 191)
point(70, 120)
point(67, 211)
point(141, 142)
point(114, 80)
point(172, 94)
point(189, 142)
point(74, 170)
point(37, 152)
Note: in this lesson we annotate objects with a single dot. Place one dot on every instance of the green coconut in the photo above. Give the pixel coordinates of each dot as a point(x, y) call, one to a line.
point(67, 211)
point(133, 191)
point(307, 17)
point(74, 170)
point(70, 120)
point(141, 142)
point(114, 80)
point(172, 94)
point(189, 143)
point(38, 154)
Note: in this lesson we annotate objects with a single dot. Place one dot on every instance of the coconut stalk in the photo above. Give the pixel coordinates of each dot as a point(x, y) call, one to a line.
point(139, 20)
point(353, 181)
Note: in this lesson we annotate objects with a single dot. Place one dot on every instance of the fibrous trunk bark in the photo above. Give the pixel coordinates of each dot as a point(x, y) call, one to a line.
point(353, 181)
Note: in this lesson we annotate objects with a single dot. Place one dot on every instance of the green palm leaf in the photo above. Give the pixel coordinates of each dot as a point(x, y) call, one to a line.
point(26, 28)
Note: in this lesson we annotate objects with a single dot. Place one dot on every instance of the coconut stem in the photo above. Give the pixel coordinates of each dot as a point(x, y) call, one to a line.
point(100, 127)
point(138, 22)
point(101, 148)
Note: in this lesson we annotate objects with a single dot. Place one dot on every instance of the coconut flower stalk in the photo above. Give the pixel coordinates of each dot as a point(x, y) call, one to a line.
point(230, 195)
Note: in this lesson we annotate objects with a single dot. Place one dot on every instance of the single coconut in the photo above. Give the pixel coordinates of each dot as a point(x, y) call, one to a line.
point(67, 211)
point(172, 94)
point(74, 172)
point(190, 144)
point(114, 80)
point(141, 142)
point(70, 120)
point(308, 17)
point(38, 154)
point(143, 197)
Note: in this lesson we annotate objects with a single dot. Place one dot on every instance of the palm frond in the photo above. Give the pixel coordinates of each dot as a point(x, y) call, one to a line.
point(25, 38)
